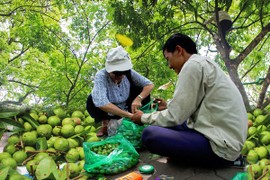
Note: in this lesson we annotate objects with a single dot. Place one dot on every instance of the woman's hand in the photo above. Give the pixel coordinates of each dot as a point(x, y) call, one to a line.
point(136, 118)
point(162, 104)
point(136, 105)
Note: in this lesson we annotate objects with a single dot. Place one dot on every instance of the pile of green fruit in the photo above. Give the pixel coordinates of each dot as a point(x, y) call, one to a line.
point(104, 149)
point(112, 155)
point(48, 139)
point(257, 146)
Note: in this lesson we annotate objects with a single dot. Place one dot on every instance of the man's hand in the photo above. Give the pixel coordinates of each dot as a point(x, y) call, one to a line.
point(136, 118)
point(162, 104)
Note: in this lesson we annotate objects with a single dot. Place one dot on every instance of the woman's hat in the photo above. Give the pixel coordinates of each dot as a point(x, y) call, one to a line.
point(117, 60)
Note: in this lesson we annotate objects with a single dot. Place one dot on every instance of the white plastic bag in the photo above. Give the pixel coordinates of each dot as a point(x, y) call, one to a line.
point(113, 126)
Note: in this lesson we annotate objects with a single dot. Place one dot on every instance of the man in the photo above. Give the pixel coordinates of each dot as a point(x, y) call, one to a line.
point(118, 90)
point(206, 120)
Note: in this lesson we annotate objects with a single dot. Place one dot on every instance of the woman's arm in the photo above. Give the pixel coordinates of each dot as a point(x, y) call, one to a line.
point(137, 102)
point(113, 109)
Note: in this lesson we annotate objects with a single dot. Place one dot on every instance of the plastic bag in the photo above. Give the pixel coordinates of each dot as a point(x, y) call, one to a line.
point(113, 126)
point(110, 156)
point(133, 132)
point(240, 176)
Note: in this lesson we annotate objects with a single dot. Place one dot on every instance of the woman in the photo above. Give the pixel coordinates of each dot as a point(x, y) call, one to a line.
point(118, 90)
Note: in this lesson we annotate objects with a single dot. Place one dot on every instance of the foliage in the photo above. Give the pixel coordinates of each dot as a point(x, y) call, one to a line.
point(51, 50)
point(149, 23)
point(54, 57)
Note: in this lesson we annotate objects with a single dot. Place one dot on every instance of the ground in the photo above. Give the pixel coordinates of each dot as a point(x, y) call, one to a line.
point(180, 171)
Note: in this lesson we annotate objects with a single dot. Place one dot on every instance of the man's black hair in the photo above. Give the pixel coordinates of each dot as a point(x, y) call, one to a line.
point(182, 40)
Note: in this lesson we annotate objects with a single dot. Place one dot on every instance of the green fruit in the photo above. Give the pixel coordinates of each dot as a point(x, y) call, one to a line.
point(256, 170)
point(4, 155)
point(34, 115)
point(257, 112)
point(88, 121)
point(20, 120)
point(68, 121)
point(86, 113)
point(13, 139)
point(92, 139)
point(51, 141)
point(81, 164)
point(9, 162)
point(40, 156)
point(10, 148)
point(76, 120)
point(54, 121)
point(81, 152)
point(56, 130)
point(43, 119)
point(52, 153)
point(19, 156)
point(44, 130)
point(27, 126)
point(251, 131)
point(262, 152)
point(78, 129)
point(29, 138)
point(72, 155)
point(16, 177)
point(266, 170)
point(90, 129)
point(261, 128)
point(60, 112)
point(78, 114)
point(28, 150)
point(260, 119)
point(250, 116)
point(72, 169)
point(67, 130)
point(252, 157)
point(265, 138)
point(73, 143)
point(31, 166)
point(264, 162)
point(61, 144)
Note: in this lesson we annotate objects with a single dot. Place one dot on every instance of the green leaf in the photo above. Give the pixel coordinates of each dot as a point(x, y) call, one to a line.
point(32, 121)
point(41, 144)
point(4, 115)
point(265, 122)
point(4, 172)
point(2, 131)
point(11, 124)
point(63, 174)
point(47, 169)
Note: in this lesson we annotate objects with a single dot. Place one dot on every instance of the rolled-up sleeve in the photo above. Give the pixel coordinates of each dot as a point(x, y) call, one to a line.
point(187, 97)
point(99, 92)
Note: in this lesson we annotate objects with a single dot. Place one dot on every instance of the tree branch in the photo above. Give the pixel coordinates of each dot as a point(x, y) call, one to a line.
point(253, 66)
point(18, 55)
point(265, 86)
point(31, 86)
point(253, 44)
point(19, 102)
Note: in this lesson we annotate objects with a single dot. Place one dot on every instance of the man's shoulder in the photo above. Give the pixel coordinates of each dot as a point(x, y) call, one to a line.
point(196, 59)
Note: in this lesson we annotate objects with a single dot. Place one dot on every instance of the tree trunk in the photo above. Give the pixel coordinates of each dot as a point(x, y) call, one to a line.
point(261, 103)
point(232, 70)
